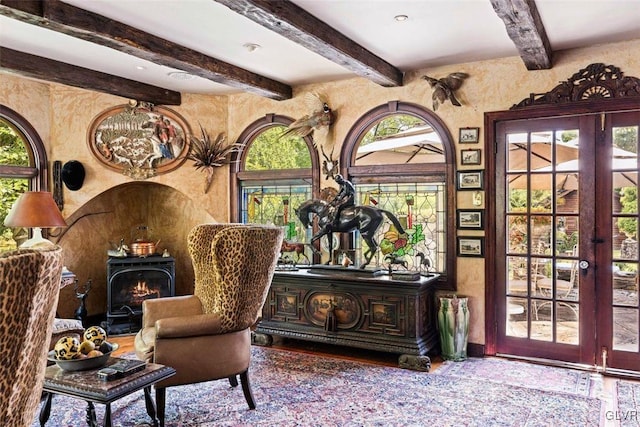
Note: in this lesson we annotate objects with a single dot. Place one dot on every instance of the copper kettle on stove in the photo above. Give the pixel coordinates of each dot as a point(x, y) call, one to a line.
point(141, 244)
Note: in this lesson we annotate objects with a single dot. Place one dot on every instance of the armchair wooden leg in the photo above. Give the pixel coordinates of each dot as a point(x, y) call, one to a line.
point(161, 395)
point(246, 389)
point(233, 380)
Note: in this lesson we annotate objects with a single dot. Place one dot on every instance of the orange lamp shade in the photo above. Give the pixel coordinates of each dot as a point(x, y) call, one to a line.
point(35, 209)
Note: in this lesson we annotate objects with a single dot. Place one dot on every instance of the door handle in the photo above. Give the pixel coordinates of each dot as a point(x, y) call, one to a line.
point(583, 264)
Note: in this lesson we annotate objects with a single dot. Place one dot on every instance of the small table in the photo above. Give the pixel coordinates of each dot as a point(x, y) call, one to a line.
point(87, 386)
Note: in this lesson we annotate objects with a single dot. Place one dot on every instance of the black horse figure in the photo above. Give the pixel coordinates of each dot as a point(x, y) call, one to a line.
point(365, 219)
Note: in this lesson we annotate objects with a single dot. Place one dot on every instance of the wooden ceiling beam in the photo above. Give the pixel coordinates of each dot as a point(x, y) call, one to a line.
point(66, 19)
point(524, 27)
point(71, 75)
point(296, 24)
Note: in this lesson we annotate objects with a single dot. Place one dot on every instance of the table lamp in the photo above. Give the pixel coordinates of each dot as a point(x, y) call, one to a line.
point(35, 209)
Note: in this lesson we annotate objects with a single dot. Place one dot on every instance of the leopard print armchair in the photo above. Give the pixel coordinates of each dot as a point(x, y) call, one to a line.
point(207, 336)
point(230, 269)
point(29, 289)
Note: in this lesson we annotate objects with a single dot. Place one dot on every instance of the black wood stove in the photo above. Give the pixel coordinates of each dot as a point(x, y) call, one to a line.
point(130, 281)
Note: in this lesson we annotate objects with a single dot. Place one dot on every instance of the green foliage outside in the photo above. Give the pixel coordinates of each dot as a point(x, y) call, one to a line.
point(263, 203)
point(12, 148)
point(569, 135)
point(12, 152)
point(390, 126)
point(626, 138)
point(270, 152)
point(629, 202)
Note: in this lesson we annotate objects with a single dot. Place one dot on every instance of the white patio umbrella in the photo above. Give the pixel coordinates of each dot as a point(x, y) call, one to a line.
point(625, 174)
point(539, 150)
point(420, 144)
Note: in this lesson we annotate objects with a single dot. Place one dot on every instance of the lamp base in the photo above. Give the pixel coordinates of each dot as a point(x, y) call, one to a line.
point(37, 241)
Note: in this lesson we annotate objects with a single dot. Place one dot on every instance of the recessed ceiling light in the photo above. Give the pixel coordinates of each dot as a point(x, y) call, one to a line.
point(251, 47)
point(140, 67)
point(401, 18)
point(181, 75)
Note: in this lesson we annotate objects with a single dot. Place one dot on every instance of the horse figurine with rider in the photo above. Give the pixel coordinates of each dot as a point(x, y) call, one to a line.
point(341, 215)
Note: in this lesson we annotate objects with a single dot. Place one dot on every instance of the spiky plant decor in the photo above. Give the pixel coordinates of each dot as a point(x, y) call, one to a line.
point(208, 154)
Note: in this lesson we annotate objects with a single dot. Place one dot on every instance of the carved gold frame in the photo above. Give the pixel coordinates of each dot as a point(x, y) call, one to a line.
point(139, 141)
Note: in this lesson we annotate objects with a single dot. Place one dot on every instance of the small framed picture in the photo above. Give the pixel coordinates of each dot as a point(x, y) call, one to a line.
point(470, 219)
point(471, 246)
point(469, 135)
point(470, 180)
point(470, 157)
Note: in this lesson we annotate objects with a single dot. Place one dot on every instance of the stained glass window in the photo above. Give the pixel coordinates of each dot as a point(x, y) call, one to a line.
point(400, 159)
point(275, 176)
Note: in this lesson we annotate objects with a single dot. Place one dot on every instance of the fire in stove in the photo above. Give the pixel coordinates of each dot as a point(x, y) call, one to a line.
point(141, 291)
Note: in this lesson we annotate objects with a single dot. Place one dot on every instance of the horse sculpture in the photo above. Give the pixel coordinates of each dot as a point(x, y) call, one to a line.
point(296, 247)
point(365, 219)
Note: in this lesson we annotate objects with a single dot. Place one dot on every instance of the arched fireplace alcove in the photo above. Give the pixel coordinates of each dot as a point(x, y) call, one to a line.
point(115, 214)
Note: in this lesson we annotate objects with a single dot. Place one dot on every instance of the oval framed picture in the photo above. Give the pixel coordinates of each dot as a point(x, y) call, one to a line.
point(140, 142)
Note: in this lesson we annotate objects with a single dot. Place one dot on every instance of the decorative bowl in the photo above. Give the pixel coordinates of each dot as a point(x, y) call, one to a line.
point(82, 364)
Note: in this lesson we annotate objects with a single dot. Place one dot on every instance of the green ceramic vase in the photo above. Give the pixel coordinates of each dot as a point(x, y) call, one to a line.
point(453, 325)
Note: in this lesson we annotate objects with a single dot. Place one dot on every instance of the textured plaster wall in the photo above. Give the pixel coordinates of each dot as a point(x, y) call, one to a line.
point(72, 113)
point(170, 204)
point(62, 116)
point(30, 99)
point(492, 86)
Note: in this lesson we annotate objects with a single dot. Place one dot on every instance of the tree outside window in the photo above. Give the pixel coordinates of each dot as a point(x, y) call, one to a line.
point(22, 168)
point(274, 176)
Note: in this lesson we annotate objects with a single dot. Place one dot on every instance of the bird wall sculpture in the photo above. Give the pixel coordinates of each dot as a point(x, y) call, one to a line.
point(444, 88)
point(318, 120)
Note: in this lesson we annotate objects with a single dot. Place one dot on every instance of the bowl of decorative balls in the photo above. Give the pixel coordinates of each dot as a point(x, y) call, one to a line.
point(71, 354)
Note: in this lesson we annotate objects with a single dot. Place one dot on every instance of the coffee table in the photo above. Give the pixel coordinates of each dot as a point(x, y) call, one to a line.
point(87, 386)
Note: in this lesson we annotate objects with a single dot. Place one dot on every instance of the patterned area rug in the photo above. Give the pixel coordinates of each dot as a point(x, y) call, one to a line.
point(298, 389)
point(628, 413)
point(523, 374)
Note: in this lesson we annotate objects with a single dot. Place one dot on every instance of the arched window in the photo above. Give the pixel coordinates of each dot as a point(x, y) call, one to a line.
point(400, 157)
point(271, 175)
point(23, 166)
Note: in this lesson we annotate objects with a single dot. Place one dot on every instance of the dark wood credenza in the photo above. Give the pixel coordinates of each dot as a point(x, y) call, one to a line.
point(353, 308)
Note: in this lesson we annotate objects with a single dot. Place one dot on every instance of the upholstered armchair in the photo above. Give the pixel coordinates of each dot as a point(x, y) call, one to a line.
point(29, 292)
point(207, 336)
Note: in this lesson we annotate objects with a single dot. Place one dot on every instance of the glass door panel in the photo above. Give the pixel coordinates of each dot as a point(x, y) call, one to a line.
point(623, 316)
point(569, 228)
point(540, 224)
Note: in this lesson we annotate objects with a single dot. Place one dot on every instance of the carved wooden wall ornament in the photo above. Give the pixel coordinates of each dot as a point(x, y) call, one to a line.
point(140, 141)
point(596, 81)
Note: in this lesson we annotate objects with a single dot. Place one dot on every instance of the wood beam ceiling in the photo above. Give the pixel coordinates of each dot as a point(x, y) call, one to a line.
point(59, 72)
point(524, 27)
point(66, 19)
point(296, 24)
point(521, 18)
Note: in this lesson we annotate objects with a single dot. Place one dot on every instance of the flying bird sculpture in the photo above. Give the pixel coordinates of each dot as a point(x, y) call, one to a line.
point(319, 120)
point(444, 88)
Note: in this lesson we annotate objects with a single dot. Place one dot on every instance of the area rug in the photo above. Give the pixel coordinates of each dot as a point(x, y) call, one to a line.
point(299, 389)
point(628, 408)
point(524, 374)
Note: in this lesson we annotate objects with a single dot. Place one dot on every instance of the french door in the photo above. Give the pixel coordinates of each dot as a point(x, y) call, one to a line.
point(566, 263)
